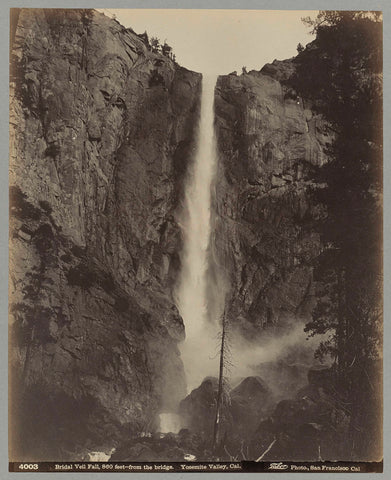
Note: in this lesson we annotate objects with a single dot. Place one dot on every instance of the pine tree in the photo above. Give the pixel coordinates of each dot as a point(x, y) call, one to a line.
point(340, 72)
point(166, 49)
point(155, 44)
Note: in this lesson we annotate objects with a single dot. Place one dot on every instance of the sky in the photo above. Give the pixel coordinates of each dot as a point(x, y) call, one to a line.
point(221, 41)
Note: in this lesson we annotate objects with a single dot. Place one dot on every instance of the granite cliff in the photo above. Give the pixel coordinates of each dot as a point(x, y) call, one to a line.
point(269, 140)
point(101, 132)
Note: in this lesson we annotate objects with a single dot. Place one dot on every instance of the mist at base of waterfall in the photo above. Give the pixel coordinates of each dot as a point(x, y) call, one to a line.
point(169, 423)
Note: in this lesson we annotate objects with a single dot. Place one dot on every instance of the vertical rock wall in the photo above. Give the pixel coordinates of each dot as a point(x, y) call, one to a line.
point(269, 139)
point(101, 133)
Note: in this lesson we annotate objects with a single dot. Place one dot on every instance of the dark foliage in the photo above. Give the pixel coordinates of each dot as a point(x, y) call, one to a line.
point(45, 206)
point(166, 49)
point(86, 275)
point(20, 207)
point(107, 282)
point(31, 324)
point(156, 79)
point(340, 73)
point(144, 37)
point(52, 150)
point(44, 239)
point(81, 276)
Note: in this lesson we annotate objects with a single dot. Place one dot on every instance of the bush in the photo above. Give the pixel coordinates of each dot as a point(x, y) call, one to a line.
point(81, 276)
point(45, 206)
point(44, 238)
point(52, 150)
point(20, 207)
point(156, 79)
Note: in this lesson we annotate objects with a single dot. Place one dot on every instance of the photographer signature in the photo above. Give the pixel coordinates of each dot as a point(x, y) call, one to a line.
point(278, 466)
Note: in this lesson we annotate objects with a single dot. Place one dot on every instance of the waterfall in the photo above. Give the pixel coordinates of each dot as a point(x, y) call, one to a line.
point(199, 350)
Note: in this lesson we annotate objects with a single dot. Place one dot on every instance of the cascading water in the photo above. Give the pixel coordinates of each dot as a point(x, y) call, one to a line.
point(199, 349)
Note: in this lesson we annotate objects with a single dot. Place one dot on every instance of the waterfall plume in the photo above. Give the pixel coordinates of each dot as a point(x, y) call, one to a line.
point(199, 350)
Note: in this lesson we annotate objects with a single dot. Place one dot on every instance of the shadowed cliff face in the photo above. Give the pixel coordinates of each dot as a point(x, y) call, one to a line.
point(268, 140)
point(101, 133)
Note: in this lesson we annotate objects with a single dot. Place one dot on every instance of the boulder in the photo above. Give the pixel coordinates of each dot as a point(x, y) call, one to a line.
point(198, 409)
point(251, 400)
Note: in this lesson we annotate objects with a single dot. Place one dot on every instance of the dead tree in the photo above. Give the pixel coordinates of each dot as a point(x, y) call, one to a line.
point(221, 393)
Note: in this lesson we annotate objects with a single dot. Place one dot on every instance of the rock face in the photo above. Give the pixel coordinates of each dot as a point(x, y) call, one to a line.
point(269, 140)
point(250, 401)
point(102, 130)
point(198, 409)
point(312, 425)
point(243, 408)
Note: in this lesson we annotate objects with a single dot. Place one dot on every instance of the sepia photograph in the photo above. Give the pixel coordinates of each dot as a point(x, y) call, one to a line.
point(195, 240)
